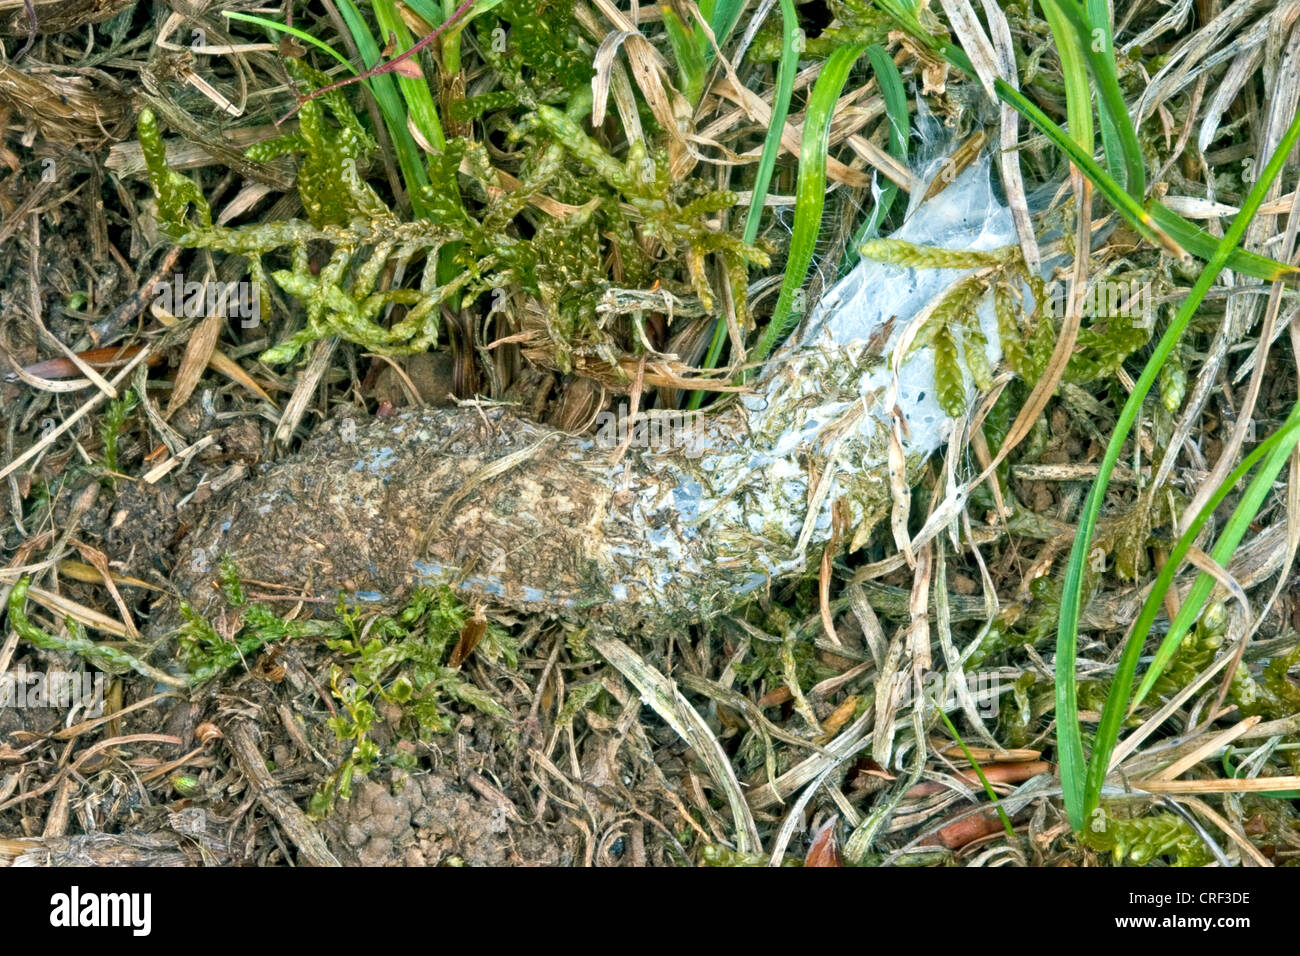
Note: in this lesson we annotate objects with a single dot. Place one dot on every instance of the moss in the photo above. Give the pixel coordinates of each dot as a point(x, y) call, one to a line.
point(1138, 841)
point(116, 416)
point(106, 657)
point(479, 235)
point(330, 181)
point(175, 193)
point(402, 660)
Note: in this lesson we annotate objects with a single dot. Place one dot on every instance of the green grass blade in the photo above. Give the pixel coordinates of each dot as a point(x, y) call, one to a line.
point(291, 31)
point(1129, 207)
point(692, 58)
point(1239, 522)
point(1078, 94)
point(1155, 222)
point(780, 109)
point(1099, 17)
point(1068, 732)
point(891, 88)
point(416, 94)
point(428, 11)
point(1116, 124)
point(382, 88)
point(979, 772)
point(766, 162)
point(1092, 27)
point(810, 195)
point(1278, 446)
point(1235, 773)
point(385, 91)
point(722, 21)
point(904, 13)
point(1201, 244)
point(1119, 136)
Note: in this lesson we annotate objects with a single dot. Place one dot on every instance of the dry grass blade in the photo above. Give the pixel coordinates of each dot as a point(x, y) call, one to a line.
point(82, 758)
point(1235, 785)
point(1214, 743)
point(305, 389)
point(649, 73)
point(891, 685)
point(68, 110)
point(99, 561)
point(956, 675)
point(1233, 833)
point(88, 617)
point(218, 360)
point(81, 364)
point(1207, 565)
point(791, 137)
point(662, 696)
point(603, 64)
point(1178, 68)
point(1009, 157)
point(794, 817)
point(919, 628)
point(89, 574)
point(56, 16)
point(966, 25)
point(1066, 338)
point(1129, 744)
point(198, 353)
point(85, 726)
point(1242, 69)
point(181, 457)
point(810, 768)
point(1282, 110)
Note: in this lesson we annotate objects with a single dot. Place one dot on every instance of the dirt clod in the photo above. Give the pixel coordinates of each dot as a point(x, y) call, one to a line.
point(429, 820)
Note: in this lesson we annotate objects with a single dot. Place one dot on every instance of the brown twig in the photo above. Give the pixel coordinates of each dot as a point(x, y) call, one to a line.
point(301, 831)
point(109, 329)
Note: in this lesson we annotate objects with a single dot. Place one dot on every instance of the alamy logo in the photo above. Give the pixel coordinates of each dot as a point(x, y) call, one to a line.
point(75, 908)
point(984, 687)
point(1130, 300)
point(239, 300)
point(28, 690)
point(657, 430)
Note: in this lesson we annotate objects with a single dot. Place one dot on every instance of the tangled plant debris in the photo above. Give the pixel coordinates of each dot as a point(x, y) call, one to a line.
point(540, 520)
point(694, 299)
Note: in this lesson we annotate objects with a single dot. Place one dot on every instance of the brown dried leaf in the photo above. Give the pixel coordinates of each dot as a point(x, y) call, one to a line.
point(197, 353)
point(470, 635)
point(825, 848)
